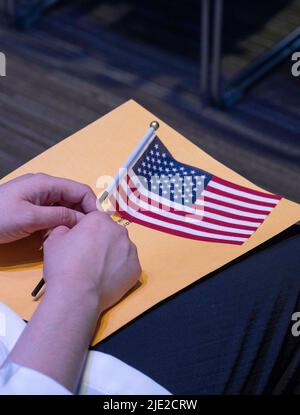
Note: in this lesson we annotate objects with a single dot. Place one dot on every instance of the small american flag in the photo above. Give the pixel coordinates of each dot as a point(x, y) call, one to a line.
point(164, 194)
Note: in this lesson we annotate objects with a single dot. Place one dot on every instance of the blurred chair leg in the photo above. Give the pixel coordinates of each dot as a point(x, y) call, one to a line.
point(26, 14)
point(238, 85)
point(204, 48)
point(228, 94)
point(10, 7)
point(216, 68)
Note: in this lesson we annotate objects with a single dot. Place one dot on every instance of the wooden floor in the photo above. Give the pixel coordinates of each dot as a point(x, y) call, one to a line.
point(80, 62)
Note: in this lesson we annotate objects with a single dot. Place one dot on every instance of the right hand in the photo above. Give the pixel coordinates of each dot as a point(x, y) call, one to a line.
point(93, 260)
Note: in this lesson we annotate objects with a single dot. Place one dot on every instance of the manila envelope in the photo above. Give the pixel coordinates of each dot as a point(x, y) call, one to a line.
point(169, 263)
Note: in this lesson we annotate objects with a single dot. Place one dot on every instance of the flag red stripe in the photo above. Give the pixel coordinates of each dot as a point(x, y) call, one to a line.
point(154, 215)
point(245, 189)
point(201, 211)
point(127, 216)
point(231, 205)
point(231, 215)
point(239, 198)
point(230, 225)
point(164, 207)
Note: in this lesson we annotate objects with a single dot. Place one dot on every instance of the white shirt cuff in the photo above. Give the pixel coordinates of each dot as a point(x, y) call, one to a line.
point(18, 380)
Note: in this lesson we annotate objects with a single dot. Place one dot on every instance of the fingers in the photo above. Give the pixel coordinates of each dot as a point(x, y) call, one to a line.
point(56, 232)
point(48, 217)
point(47, 190)
point(99, 225)
point(22, 178)
point(97, 218)
point(18, 179)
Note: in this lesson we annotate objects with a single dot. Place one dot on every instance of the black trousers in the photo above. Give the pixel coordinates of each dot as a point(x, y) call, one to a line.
point(229, 333)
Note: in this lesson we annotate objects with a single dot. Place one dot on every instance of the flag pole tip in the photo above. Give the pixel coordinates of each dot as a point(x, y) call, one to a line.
point(155, 125)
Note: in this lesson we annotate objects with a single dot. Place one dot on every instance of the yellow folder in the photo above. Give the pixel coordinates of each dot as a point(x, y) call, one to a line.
point(169, 263)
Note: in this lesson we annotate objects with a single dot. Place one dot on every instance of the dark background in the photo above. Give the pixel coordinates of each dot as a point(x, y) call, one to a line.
point(84, 58)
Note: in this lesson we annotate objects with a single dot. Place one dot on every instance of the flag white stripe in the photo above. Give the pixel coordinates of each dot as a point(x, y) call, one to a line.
point(178, 228)
point(143, 205)
point(187, 209)
point(231, 190)
point(198, 202)
point(236, 202)
point(141, 188)
point(203, 202)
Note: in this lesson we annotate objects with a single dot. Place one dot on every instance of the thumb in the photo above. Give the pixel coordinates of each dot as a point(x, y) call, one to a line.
point(47, 217)
point(54, 234)
point(58, 231)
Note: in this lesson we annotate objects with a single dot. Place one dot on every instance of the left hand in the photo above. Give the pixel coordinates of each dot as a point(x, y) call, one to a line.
point(36, 202)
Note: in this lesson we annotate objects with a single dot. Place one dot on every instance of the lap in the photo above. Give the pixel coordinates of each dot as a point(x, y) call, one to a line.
point(228, 333)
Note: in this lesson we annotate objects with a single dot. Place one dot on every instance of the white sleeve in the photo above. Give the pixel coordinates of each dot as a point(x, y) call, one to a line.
point(14, 379)
point(17, 380)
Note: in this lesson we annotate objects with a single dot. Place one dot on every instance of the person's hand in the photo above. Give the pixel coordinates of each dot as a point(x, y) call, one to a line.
point(36, 202)
point(95, 260)
point(87, 269)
